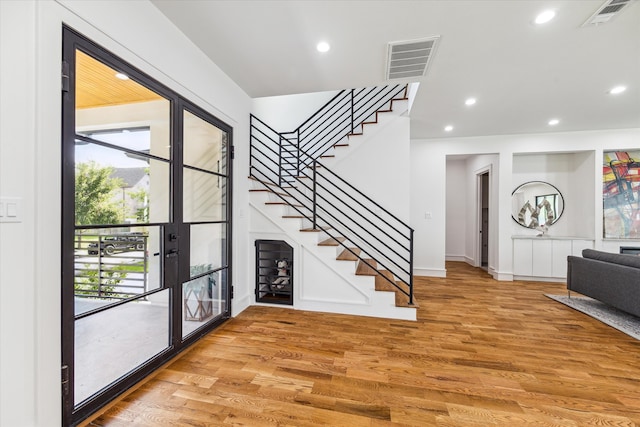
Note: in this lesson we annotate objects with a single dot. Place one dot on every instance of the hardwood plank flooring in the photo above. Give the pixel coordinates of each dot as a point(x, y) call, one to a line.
point(482, 353)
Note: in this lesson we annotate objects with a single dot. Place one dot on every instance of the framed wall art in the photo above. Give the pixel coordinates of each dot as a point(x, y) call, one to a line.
point(621, 194)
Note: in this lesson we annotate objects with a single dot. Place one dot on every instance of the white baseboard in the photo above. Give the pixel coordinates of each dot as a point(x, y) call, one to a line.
point(430, 272)
point(503, 277)
point(540, 279)
point(457, 258)
point(240, 304)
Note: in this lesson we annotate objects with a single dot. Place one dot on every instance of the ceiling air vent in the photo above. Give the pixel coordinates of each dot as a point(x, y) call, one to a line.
point(608, 10)
point(409, 59)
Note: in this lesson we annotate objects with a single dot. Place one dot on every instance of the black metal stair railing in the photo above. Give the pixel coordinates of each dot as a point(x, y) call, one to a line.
point(289, 161)
point(343, 115)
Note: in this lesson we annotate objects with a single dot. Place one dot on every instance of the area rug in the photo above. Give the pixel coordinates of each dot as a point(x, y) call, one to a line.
point(613, 317)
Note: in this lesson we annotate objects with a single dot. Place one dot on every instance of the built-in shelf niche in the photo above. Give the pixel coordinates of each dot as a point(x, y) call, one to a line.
point(574, 175)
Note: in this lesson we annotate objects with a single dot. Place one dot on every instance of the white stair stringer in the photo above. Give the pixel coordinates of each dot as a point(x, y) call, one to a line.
point(322, 283)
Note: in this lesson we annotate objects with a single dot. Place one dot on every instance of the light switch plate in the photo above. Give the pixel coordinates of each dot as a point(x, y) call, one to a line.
point(10, 209)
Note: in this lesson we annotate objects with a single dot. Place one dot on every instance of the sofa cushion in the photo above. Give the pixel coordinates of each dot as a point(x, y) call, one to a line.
point(620, 259)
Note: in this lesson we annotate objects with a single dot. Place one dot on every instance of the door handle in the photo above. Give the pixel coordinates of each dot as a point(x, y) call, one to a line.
point(172, 253)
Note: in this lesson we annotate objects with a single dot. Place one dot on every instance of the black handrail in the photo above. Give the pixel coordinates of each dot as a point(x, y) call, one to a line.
point(299, 150)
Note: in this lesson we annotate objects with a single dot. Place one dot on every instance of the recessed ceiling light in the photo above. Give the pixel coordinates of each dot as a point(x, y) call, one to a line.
point(323, 47)
point(448, 128)
point(122, 76)
point(553, 122)
point(470, 101)
point(545, 17)
point(618, 89)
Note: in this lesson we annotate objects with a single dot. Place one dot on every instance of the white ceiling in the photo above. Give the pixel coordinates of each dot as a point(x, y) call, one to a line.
point(522, 74)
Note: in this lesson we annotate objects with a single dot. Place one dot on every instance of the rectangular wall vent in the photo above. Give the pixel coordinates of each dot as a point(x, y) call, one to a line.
point(607, 11)
point(409, 59)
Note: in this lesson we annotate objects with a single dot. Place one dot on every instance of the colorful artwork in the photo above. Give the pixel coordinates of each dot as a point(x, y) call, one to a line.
point(621, 194)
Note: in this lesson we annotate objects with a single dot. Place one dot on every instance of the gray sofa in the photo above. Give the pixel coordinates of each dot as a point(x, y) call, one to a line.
point(611, 278)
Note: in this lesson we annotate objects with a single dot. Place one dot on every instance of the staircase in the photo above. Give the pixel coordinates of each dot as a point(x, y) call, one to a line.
point(294, 187)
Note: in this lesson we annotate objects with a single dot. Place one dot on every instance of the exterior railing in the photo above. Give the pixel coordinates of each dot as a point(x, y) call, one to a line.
point(111, 267)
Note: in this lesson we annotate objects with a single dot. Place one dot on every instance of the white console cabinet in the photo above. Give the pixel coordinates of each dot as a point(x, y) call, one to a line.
point(545, 258)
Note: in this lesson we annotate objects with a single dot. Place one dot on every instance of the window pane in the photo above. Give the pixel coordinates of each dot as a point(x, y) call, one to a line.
point(120, 111)
point(114, 188)
point(205, 146)
point(208, 247)
point(203, 300)
point(204, 196)
point(111, 343)
point(115, 264)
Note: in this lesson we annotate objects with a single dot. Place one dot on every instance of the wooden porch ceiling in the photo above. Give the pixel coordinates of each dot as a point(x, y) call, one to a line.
point(98, 86)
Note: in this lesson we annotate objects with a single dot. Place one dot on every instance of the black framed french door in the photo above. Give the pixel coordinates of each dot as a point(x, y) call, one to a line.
point(146, 225)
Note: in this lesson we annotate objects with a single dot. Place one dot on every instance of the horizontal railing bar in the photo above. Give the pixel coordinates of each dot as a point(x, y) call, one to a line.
point(365, 196)
point(366, 219)
point(364, 240)
point(364, 260)
point(338, 112)
point(324, 106)
point(357, 235)
point(358, 202)
point(326, 116)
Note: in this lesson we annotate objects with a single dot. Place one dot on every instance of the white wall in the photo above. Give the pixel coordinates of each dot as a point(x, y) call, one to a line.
point(456, 209)
point(17, 250)
point(377, 164)
point(428, 188)
point(30, 46)
point(285, 113)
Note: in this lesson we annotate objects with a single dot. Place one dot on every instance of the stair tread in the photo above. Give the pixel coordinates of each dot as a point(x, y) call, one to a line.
point(346, 255)
point(268, 184)
point(267, 190)
point(383, 285)
point(294, 216)
point(332, 242)
point(364, 270)
point(283, 203)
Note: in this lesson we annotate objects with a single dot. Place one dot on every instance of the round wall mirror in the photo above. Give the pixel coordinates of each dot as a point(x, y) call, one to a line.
point(535, 204)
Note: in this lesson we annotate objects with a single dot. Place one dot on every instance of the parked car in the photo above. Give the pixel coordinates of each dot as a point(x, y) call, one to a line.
point(119, 243)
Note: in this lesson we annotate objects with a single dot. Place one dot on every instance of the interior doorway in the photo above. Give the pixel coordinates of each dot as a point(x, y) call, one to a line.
point(483, 179)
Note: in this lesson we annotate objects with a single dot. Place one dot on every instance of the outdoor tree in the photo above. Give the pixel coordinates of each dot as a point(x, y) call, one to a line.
point(94, 195)
point(141, 197)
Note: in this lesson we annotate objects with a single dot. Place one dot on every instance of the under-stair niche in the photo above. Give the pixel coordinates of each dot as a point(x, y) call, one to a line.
point(274, 272)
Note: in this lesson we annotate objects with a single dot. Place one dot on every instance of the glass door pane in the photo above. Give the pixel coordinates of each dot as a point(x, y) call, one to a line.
point(111, 343)
point(122, 162)
point(205, 202)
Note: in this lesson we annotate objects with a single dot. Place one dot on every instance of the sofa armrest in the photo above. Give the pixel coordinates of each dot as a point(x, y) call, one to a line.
point(613, 284)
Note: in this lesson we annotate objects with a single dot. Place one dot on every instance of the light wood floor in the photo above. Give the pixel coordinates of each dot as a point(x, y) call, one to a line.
point(482, 353)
